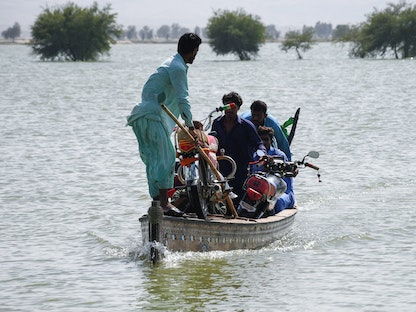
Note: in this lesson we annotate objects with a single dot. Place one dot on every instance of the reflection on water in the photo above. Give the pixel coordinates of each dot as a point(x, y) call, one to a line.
point(192, 281)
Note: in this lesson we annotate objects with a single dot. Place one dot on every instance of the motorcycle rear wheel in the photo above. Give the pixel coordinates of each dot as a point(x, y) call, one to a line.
point(198, 203)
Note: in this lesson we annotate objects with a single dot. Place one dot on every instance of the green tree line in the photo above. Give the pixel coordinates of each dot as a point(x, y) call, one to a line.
point(74, 33)
point(390, 31)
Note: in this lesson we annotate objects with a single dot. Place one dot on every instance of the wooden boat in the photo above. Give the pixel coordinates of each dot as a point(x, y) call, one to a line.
point(216, 232)
point(213, 232)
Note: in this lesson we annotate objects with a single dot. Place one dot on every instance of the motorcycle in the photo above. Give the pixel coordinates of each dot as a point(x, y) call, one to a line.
point(265, 183)
point(204, 188)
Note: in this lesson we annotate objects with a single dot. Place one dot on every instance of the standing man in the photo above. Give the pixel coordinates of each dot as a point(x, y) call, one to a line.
point(239, 139)
point(153, 127)
point(259, 117)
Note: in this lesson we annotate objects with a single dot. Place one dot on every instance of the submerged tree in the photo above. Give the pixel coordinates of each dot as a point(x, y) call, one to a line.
point(146, 33)
point(235, 32)
point(323, 30)
point(12, 32)
point(164, 32)
point(74, 33)
point(131, 32)
point(272, 33)
point(299, 41)
point(177, 30)
point(340, 32)
point(392, 30)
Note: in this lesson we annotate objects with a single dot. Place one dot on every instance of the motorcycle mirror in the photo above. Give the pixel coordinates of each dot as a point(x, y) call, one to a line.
point(260, 153)
point(313, 154)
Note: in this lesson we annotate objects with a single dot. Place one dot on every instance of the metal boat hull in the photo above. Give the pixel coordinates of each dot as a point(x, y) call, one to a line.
point(217, 232)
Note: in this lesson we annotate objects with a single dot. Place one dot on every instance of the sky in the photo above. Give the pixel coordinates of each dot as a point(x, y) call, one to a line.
point(284, 14)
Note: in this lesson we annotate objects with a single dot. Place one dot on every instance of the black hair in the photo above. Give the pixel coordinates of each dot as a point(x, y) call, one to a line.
point(232, 97)
point(259, 106)
point(188, 42)
point(261, 130)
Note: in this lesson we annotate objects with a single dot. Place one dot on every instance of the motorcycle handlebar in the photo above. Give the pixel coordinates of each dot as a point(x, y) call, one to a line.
point(288, 168)
point(276, 165)
point(311, 166)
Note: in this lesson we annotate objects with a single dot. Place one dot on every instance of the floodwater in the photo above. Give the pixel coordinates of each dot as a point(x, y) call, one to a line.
point(72, 186)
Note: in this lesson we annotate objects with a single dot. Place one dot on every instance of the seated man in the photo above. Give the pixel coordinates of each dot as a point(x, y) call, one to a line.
point(259, 117)
point(239, 139)
point(286, 200)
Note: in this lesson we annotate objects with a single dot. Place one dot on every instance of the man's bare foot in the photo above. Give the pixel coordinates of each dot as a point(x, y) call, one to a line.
point(171, 210)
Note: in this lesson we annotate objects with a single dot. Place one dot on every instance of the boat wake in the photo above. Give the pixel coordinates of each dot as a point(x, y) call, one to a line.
point(142, 253)
point(173, 258)
point(169, 259)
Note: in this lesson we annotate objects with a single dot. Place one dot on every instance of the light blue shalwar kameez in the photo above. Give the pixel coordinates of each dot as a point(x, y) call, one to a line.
point(153, 127)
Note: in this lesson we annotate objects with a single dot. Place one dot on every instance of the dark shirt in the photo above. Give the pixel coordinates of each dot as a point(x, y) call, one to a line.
point(240, 144)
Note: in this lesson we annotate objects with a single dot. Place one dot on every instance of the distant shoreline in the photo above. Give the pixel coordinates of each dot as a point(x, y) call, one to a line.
point(16, 41)
point(27, 41)
point(157, 41)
